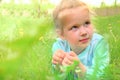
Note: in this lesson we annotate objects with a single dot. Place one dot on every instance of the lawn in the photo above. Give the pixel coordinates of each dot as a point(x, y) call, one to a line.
point(25, 50)
point(109, 27)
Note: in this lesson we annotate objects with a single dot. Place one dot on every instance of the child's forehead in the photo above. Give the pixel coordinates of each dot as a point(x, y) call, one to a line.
point(74, 16)
point(77, 10)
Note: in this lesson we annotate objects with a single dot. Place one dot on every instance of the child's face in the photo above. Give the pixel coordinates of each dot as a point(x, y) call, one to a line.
point(77, 27)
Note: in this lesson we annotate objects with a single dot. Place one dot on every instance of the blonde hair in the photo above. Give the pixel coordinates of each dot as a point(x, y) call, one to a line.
point(66, 4)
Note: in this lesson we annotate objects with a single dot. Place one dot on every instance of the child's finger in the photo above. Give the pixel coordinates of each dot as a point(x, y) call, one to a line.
point(54, 62)
point(73, 56)
point(63, 53)
point(60, 53)
point(71, 53)
point(69, 57)
point(66, 61)
point(57, 58)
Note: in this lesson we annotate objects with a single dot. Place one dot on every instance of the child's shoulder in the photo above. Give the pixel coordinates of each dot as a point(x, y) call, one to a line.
point(61, 44)
point(97, 36)
point(60, 41)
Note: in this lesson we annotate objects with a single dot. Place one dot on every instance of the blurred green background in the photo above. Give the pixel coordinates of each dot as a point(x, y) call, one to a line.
point(27, 34)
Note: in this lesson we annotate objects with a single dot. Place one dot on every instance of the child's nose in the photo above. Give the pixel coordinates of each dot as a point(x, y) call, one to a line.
point(82, 31)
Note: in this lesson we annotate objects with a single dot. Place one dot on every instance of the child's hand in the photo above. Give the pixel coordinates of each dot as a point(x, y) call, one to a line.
point(70, 58)
point(58, 57)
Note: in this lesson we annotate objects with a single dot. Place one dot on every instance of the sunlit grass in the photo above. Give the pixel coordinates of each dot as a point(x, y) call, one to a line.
point(25, 47)
point(109, 27)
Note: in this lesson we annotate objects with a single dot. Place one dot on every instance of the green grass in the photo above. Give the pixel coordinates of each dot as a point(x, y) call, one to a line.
point(109, 27)
point(25, 47)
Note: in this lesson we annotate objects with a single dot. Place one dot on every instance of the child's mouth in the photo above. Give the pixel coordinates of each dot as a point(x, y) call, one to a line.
point(84, 40)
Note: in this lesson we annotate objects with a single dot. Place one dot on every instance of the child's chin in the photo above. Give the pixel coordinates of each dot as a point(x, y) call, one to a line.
point(85, 44)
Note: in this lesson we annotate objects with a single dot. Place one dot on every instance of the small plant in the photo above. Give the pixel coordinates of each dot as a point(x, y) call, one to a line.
point(71, 72)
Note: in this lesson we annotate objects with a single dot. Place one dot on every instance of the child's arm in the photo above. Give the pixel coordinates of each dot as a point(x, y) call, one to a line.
point(100, 60)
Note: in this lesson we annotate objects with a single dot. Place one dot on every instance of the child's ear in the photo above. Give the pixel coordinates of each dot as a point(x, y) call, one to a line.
point(60, 34)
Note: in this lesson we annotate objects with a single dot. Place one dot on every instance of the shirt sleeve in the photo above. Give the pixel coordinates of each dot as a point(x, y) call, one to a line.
point(60, 44)
point(56, 46)
point(100, 60)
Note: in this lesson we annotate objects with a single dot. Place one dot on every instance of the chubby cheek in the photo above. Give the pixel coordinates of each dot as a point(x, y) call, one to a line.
point(90, 30)
point(72, 38)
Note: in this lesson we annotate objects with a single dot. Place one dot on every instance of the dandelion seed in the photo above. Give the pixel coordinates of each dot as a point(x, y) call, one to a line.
point(41, 38)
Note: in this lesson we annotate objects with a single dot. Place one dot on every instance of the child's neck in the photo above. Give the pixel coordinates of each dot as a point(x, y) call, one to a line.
point(77, 50)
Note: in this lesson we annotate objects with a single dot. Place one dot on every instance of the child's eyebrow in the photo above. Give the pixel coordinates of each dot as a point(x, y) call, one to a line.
point(88, 19)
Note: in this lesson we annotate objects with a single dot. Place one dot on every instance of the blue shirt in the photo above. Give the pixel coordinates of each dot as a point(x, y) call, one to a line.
point(95, 57)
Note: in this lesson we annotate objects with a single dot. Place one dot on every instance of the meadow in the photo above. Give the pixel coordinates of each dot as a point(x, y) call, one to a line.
point(26, 41)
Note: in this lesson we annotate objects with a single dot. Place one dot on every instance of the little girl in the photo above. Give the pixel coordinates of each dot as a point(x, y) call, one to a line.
point(77, 40)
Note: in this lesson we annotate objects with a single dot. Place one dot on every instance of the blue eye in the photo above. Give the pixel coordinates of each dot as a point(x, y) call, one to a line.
point(86, 24)
point(74, 28)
